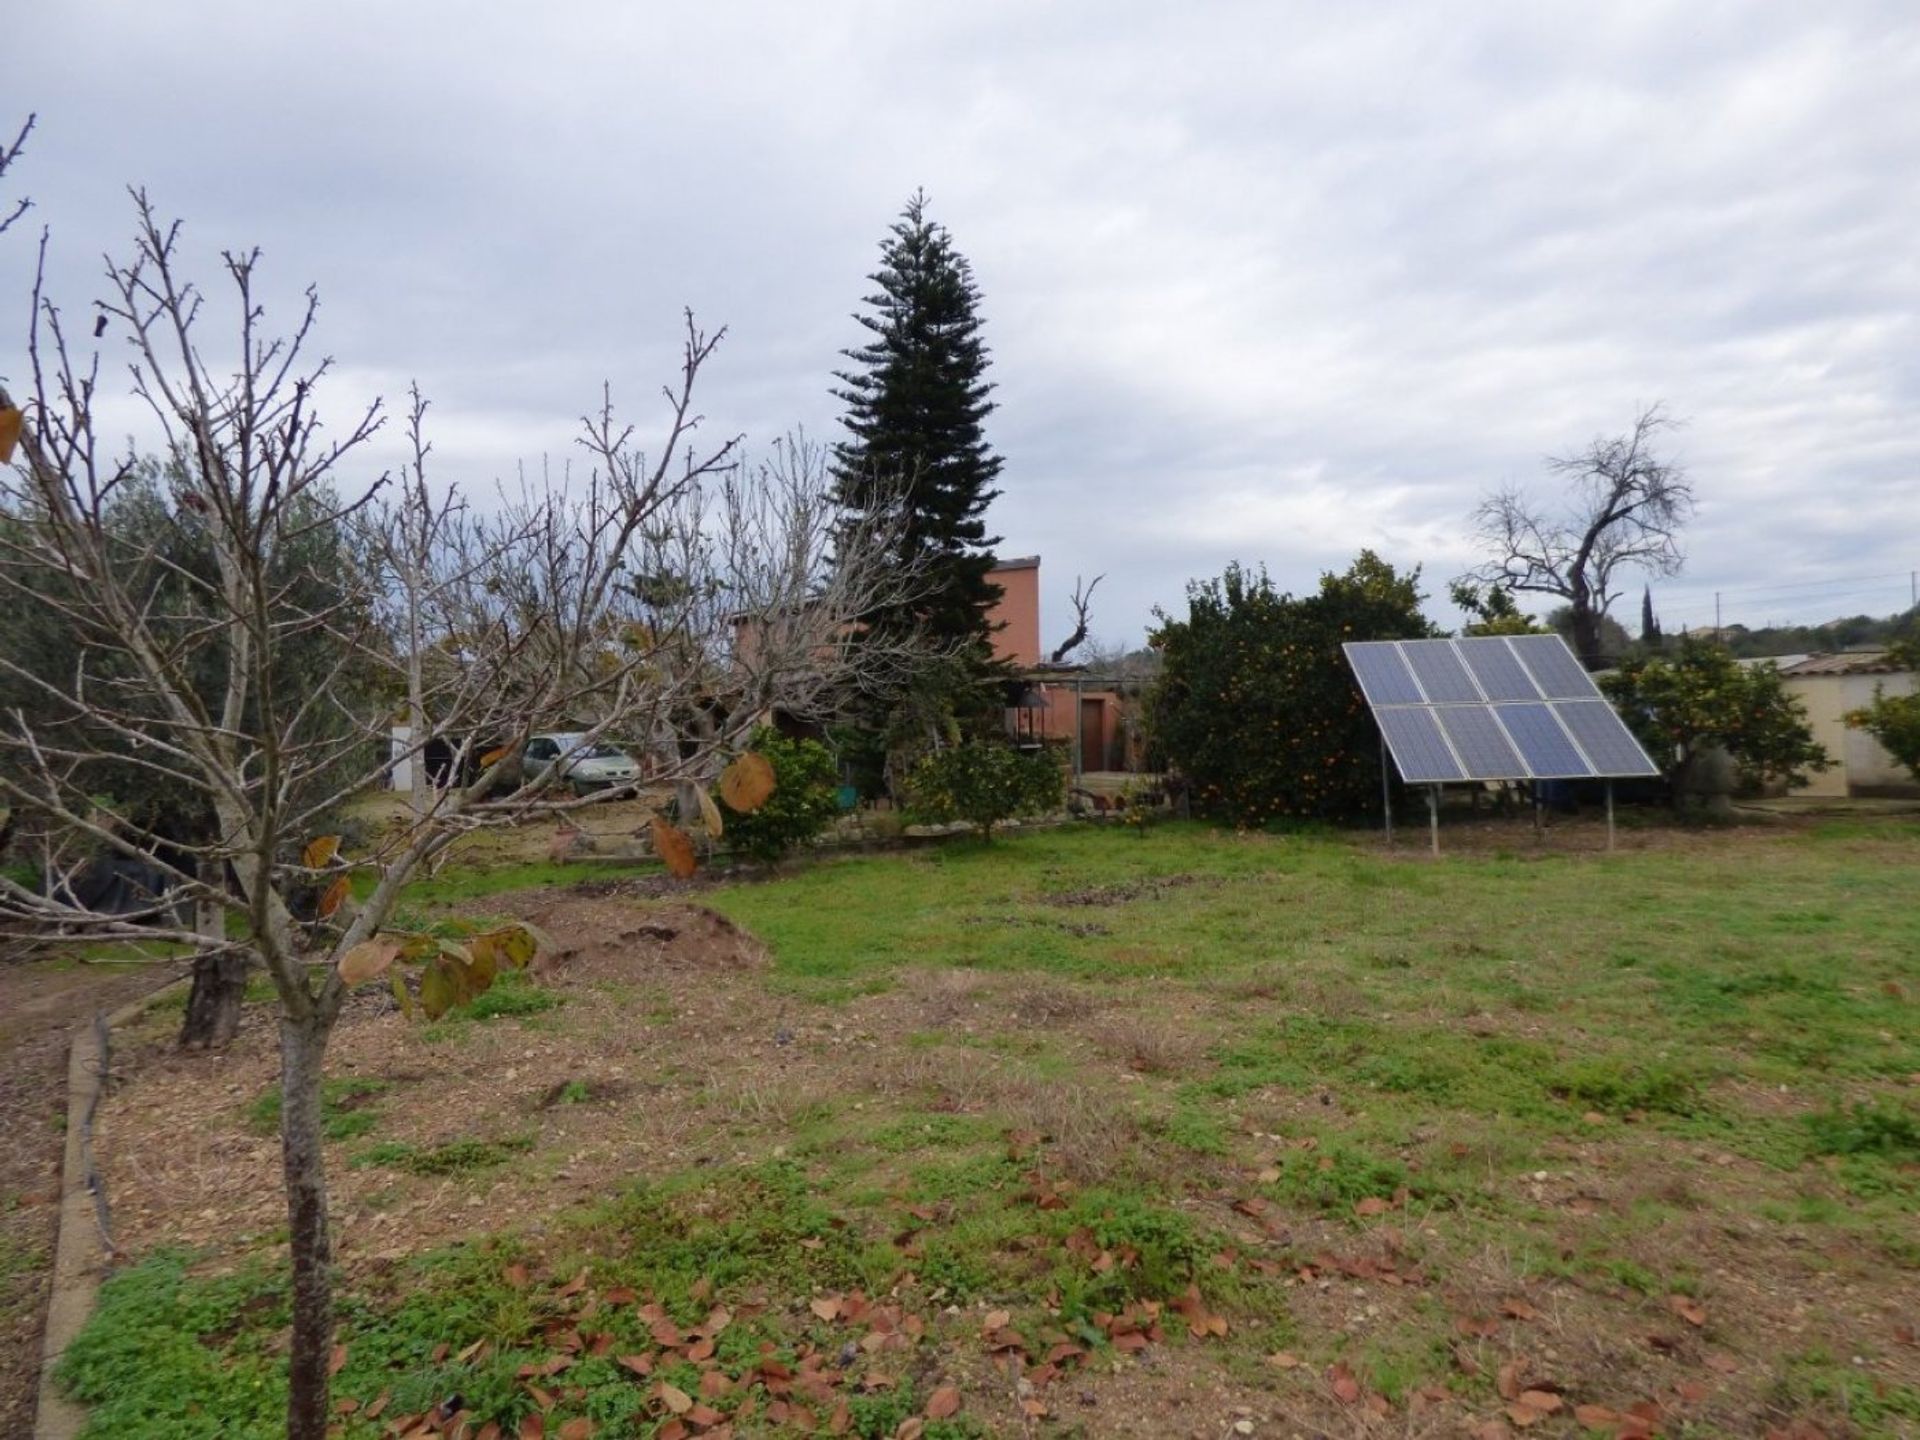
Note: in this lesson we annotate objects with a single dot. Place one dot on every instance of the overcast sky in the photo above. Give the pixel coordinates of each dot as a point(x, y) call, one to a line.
point(1262, 282)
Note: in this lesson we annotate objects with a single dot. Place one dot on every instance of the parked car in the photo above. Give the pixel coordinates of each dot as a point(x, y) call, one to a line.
point(588, 768)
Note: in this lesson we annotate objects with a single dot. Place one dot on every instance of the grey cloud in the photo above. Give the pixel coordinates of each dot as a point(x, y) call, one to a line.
point(1262, 281)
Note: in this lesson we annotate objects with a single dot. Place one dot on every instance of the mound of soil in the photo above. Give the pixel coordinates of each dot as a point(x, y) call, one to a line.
point(599, 940)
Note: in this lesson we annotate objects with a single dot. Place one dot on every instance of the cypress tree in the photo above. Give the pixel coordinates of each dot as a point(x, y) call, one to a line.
point(917, 396)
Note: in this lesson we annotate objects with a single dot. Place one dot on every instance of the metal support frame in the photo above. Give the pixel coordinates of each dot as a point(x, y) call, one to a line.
point(1433, 805)
point(1386, 789)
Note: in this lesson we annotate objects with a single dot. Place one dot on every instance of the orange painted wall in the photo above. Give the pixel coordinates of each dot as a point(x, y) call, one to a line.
point(1018, 612)
point(1059, 720)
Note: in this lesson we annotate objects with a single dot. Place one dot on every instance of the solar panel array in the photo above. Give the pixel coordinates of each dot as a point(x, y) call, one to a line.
point(1492, 707)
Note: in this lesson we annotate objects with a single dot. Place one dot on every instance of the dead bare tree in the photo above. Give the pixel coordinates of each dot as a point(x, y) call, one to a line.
point(1080, 601)
point(486, 628)
point(1624, 507)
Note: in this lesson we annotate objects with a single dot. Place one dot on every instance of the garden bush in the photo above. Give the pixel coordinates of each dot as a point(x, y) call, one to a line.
point(804, 800)
point(984, 783)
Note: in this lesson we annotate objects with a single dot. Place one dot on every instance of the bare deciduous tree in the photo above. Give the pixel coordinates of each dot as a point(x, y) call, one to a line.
point(1623, 509)
point(613, 606)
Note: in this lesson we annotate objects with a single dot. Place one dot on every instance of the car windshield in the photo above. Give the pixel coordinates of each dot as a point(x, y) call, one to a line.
point(548, 747)
point(570, 747)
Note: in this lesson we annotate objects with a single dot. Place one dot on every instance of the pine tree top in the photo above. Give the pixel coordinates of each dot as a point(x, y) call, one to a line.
point(917, 398)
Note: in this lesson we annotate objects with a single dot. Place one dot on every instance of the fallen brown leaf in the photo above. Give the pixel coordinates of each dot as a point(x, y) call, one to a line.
point(1688, 1309)
point(1508, 1381)
point(1346, 1388)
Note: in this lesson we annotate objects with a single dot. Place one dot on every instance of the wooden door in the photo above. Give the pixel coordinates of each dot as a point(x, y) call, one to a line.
point(1093, 750)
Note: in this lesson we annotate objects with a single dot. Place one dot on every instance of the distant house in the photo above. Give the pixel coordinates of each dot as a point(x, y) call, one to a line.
point(1067, 703)
point(1831, 685)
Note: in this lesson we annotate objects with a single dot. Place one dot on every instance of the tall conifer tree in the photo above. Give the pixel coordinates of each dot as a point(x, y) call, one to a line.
point(917, 397)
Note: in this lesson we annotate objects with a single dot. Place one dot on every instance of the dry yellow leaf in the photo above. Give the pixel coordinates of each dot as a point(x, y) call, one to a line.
point(747, 783)
point(368, 959)
point(319, 851)
point(11, 421)
point(710, 814)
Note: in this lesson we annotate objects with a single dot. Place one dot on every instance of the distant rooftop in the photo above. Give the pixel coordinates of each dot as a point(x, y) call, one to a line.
point(1853, 662)
point(1018, 562)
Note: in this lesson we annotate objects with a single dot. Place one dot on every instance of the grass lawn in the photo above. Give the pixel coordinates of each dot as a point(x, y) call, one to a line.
point(1093, 1133)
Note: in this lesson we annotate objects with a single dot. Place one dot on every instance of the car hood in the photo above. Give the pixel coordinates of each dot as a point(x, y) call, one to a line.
point(605, 765)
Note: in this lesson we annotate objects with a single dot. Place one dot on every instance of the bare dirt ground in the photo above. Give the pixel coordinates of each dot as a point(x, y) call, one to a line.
point(41, 1004)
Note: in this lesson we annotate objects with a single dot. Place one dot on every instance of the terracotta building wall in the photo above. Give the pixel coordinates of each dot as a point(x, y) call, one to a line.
point(1017, 612)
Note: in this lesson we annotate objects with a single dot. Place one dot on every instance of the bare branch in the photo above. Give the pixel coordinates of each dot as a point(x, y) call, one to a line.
point(9, 154)
point(1081, 600)
point(1624, 509)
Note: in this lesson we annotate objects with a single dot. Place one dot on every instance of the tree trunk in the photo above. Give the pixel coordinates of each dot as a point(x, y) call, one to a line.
point(303, 1045)
point(1586, 635)
point(213, 1005)
point(219, 978)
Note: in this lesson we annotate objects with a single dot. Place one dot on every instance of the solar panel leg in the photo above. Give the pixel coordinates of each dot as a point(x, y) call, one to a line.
point(1433, 816)
point(1609, 814)
point(1386, 789)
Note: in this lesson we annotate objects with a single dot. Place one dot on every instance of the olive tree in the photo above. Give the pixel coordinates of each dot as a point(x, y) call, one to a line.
point(611, 602)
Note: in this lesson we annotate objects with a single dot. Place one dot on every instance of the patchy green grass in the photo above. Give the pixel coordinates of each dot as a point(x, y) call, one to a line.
point(1389, 1117)
point(455, 1157)
point(347, 1108)
point(513, 995)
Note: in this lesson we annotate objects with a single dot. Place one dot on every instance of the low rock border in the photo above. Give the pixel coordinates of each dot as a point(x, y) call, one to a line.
point(79, 1253)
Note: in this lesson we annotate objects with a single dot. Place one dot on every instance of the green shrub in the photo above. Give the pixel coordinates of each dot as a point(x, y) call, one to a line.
point(984, 782)
point(804, 800)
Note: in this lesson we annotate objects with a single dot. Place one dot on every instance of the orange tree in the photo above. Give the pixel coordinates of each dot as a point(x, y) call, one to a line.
point(1255, 704)
point(1700, 699)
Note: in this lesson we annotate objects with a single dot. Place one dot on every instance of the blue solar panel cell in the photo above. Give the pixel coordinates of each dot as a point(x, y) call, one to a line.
point(1499, 672)
point(1438, 668)
point(1480, 743)
point(1604, 736)
point(1384, 676)
point(1537, 735)
point(1554, 670)
point(1419, 750)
